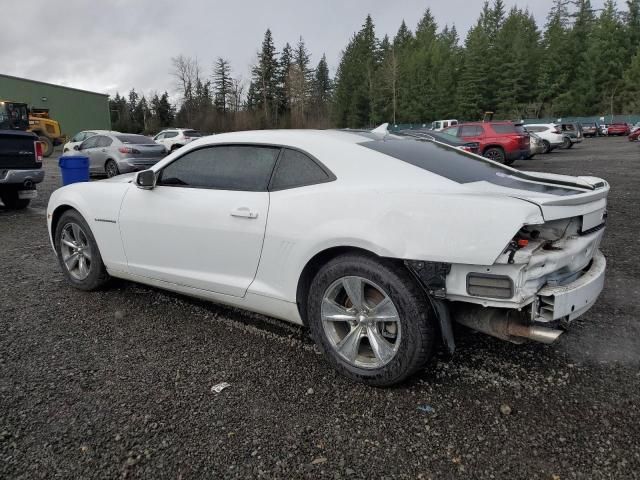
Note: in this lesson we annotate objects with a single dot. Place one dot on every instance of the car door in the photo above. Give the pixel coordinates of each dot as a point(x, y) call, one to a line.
point(101, 153)
point(203, 224)
point(88, 148)
point(159, 138)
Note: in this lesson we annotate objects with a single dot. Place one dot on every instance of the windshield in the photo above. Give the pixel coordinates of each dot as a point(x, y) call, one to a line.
point(459, 166)
point(135, 139)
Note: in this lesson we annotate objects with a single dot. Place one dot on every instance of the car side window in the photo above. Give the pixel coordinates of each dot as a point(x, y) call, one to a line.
point(90, 142)
point(170, 134)
point(104, 142)
point(295, 169)
point(225, 167)
point(468, 131)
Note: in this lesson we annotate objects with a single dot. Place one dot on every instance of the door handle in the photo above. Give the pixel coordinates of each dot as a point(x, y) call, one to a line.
point(244, 212)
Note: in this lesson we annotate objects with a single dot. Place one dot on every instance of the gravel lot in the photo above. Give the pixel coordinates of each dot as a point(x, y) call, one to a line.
point(116, 384)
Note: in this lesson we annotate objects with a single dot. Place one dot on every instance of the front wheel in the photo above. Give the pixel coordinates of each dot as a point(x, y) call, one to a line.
point(78, 252)
point(370, 319)
point(546, 147)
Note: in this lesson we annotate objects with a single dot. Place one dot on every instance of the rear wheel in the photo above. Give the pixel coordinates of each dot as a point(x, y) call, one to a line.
point(496, 154)
point(370, 319)
point(12, 201)
point(111, 168)
point(566, 142)
point(78, 252)
point(47, 146)
point(174, 147)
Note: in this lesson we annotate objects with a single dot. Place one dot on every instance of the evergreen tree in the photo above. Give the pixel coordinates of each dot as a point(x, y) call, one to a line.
point(300, 81)
point(264, 83)
point(632, 20)
point(354, 79)
point(474, 75)
point(222, 83)
point(517, 45)
point(283, 88)
point(554, 75)
point(322, 83)
point(606, 62)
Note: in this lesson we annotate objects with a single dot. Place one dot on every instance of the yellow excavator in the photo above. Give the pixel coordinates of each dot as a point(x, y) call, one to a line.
point(36, 120)
point(47, 129)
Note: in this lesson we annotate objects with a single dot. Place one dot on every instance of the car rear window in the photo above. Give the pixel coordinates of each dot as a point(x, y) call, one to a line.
point(458, 166)
point(192, 133)
point(135, 139)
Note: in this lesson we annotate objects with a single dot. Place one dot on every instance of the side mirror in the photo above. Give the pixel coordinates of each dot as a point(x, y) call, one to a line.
point(146, 179)
point(76, 147)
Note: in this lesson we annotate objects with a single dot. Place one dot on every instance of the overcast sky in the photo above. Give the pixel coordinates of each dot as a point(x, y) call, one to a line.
point(114, 45)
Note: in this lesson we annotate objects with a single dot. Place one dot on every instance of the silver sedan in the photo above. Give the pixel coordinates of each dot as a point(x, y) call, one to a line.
point(116, 153)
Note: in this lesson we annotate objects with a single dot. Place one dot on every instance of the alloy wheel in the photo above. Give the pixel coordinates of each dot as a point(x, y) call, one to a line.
point(361, 322)
point(76, 251)
point(112, 169)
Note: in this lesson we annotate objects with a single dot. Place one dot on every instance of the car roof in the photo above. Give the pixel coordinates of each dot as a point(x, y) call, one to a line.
point(492, 122)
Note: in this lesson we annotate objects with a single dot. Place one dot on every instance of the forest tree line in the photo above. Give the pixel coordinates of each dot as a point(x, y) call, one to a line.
point(584, 61)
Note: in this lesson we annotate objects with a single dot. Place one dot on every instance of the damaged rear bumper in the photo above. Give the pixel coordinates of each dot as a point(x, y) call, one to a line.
point(552, 307)
point(568, 302)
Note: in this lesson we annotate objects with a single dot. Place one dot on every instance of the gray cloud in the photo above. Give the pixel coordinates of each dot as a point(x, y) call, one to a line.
point(115, 45)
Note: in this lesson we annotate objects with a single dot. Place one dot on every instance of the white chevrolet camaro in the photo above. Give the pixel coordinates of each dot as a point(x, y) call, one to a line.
point(376, 242)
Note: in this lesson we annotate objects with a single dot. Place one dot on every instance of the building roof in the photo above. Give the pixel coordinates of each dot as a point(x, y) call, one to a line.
point(52, 85)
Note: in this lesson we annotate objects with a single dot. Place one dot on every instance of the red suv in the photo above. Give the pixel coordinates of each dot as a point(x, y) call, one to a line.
point(618, 129)
point(503, 142)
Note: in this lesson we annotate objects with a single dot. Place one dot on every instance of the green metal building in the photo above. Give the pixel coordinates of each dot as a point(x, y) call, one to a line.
point(74, 109)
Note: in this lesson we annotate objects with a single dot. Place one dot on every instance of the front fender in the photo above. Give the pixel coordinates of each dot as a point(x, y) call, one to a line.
point(99, 204)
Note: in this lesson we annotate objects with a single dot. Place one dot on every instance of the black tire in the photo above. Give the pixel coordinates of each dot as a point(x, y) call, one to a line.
point(174, 147)
point(416, 318)
point(546, 147)
point(98, 275)
point(11, 200)
point(47, 146)
point(497, 155)
point(111, 168)
point(566, 143)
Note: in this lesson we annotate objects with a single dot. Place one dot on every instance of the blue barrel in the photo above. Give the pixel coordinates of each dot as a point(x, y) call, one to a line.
point(74, 169)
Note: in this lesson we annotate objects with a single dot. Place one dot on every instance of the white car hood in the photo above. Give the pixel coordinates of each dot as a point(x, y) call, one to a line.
point(124, 178)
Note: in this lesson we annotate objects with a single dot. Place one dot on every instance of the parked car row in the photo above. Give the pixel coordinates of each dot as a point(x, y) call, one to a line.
point(111, 153)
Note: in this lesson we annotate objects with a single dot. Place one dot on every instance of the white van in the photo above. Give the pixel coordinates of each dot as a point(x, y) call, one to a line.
point(442, 124)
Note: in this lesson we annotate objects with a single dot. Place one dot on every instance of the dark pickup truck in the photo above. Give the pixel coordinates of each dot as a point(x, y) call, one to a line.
point(20, 167)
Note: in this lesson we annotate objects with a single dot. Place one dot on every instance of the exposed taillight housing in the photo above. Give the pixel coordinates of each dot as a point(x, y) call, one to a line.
point(128, 150)
point(37, 147)
point(491, 286)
